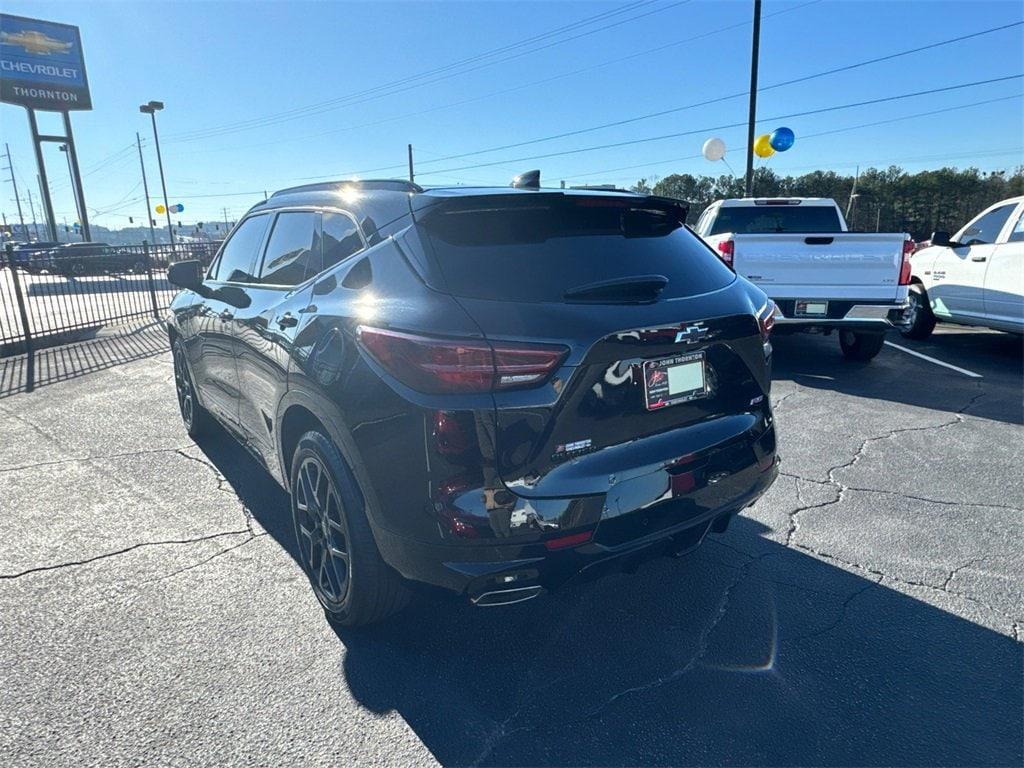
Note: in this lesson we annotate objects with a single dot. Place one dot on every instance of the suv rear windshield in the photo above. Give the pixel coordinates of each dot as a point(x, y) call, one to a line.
point(531, 250)
point(766, 219)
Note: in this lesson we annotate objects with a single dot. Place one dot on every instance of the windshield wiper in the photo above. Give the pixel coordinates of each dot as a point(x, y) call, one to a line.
point(639, 289)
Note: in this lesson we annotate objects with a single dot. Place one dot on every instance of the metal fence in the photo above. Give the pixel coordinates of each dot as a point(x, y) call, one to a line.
point(54, 296)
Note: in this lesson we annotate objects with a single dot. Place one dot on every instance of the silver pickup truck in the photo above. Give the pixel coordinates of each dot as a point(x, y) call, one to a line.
point(821, 276)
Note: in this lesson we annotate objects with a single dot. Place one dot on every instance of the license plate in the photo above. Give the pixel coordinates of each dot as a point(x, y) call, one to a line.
point(674, 380)
point(809, 308)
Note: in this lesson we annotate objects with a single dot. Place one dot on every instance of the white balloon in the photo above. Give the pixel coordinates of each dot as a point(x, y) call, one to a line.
point(714, 149)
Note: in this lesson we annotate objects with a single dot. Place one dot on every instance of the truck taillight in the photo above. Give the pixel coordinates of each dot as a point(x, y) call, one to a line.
point(766, 319)
point(441, 366)
point(908, 250)
point(726, 251)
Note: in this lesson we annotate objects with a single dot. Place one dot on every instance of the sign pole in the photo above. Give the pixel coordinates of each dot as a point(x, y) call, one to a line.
point(77, 177)
point(38, 146)
point(47, 213)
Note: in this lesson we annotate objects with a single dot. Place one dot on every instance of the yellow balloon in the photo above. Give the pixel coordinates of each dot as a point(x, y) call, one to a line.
point(161, 209)
point(763, 146)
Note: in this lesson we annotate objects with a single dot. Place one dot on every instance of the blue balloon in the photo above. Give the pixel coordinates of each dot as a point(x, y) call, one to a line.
point(782, 139)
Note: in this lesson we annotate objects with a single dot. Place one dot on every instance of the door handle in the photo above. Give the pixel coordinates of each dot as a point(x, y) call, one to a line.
point(979, 258)
point(226, 315)
point(287, 320)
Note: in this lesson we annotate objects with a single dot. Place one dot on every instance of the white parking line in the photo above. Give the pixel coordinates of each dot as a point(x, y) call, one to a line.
point(964, 371)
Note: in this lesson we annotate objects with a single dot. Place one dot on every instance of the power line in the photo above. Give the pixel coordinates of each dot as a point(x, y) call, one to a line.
point(804, 137)
point(806, 113)
point(707, 102)
point(522, 86)
point(391, 89)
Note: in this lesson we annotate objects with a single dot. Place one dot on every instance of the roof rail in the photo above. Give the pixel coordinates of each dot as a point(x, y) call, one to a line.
point(392, 185)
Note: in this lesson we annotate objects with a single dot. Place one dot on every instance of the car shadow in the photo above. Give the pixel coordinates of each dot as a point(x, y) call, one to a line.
point(816, 362)
point(743, 652)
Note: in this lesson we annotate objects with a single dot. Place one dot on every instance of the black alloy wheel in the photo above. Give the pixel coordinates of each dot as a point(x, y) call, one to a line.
point(336, 547)
point(322, 532)
point(193, 415)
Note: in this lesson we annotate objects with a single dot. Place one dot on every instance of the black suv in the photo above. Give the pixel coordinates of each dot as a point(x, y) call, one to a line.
point(492, 390)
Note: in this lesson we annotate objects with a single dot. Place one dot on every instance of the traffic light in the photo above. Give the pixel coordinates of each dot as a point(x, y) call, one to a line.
point(131, 220)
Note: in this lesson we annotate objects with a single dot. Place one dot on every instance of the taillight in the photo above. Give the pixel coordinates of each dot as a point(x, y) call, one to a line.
point(726, 251)
point(908, 250)
point(766, 319)
point(439, 366)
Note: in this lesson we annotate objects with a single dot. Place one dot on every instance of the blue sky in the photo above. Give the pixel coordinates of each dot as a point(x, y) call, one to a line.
point(222, 66)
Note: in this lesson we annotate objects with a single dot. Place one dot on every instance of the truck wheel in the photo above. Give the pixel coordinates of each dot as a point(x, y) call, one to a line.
point(918, 321)
point(860, 346)
point(336, 546)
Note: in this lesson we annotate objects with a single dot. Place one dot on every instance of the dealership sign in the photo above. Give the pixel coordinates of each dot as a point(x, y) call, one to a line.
point(42, 65)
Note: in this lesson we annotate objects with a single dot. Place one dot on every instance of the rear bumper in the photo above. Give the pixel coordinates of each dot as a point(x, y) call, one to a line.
point(848, 315)
point(492, 573)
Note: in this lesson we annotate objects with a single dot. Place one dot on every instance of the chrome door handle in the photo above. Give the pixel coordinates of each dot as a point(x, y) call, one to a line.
point(287, 320)
point(979, 258)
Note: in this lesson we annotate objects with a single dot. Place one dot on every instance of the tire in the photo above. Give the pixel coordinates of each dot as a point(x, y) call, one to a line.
point(357, 588)
point(196, 419)
point(860, 346)
point(919, 319)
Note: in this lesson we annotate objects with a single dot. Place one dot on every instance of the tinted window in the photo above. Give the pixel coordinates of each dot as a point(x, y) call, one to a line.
point(341, 238)
point(1017, 235)
point(293, 253)
point(537, 252)
point(239, 252)
point(985, 229)
point(766, 219)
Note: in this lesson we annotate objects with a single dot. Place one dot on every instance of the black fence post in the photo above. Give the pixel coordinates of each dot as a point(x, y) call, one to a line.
point(149, 278)
point(30, 352)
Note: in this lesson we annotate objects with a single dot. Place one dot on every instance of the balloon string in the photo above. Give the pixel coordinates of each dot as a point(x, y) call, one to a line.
point(728, 166)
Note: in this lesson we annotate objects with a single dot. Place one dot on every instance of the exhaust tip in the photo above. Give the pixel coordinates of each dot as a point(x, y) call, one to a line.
point(507, 596)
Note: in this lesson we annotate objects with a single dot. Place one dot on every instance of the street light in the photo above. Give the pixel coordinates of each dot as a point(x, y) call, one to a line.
point(151, 109)
point(74, 187)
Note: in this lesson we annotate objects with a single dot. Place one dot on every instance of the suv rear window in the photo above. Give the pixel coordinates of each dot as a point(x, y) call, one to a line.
point(767, 219)
point(530, 250)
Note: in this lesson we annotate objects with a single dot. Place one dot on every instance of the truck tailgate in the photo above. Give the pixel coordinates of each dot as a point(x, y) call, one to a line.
point(848, 265)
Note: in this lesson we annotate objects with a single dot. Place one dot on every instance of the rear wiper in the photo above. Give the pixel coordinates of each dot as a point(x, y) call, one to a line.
point(638, 289)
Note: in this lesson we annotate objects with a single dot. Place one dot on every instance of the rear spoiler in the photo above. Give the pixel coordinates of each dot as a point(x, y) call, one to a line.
point(424, 205)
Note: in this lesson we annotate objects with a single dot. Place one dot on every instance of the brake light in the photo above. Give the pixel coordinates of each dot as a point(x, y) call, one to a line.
point(766, 319)
point(440, 366)
point(726, 251)
point(571, 540)
point(908, 250)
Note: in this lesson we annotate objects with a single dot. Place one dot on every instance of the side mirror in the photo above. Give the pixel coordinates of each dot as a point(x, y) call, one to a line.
point(941, 239)
point(186, 274)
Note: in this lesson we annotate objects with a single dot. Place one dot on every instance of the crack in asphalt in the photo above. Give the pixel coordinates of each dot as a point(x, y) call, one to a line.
point(221, 482)
point(118, 552)
point(91, 457)
point(206, 560)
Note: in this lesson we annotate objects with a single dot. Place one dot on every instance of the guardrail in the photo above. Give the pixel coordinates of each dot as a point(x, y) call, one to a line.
point(59, 295)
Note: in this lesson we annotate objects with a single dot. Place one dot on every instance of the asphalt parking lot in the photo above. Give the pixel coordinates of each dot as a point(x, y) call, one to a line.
point(866, 611)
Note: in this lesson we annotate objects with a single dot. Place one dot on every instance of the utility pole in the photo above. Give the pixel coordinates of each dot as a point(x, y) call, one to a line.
point(151, 109)
point(32, 210)
point(755, 46)
point(226, 225)
point(10, 167)
point(412, 176)
point(145, 189)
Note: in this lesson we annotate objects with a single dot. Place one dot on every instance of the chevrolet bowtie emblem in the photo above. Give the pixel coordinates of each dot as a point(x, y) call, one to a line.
point(691, 334)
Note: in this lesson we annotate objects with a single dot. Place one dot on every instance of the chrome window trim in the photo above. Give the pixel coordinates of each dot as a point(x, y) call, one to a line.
point(266, 242)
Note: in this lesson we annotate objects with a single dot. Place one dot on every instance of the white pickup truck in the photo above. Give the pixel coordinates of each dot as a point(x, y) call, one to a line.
point(821, 276)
